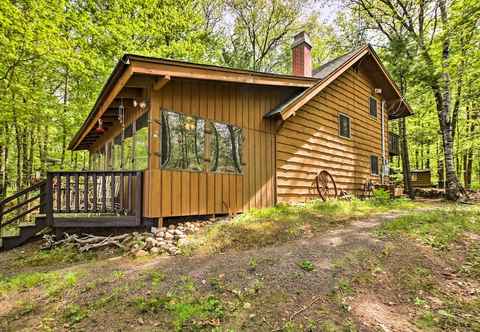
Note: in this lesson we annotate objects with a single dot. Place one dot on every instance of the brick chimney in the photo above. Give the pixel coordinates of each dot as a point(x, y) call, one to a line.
point(301, 55)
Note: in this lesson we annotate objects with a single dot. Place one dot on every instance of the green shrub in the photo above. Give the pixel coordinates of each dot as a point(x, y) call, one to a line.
point(381, 196)
point(306, 265)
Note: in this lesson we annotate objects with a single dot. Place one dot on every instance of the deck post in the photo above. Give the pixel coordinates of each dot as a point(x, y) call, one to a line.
point(138, 198)
point(49, 199)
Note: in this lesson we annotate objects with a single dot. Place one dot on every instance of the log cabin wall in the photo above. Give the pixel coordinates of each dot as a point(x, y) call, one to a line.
point(182, 192)
point(309, 141)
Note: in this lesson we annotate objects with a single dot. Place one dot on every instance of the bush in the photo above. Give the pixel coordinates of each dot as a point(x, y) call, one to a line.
point(381, 196)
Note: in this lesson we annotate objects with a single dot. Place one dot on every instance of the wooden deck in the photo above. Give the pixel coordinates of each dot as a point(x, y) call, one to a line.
point(73, 200)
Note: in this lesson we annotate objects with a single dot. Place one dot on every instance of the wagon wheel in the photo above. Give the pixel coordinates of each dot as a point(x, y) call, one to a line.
point(326, 186)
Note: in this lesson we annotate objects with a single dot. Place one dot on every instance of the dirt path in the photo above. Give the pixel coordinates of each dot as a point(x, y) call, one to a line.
point(287, 287)
point(262, 289)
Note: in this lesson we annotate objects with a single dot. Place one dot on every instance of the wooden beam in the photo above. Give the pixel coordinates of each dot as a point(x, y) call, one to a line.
point(219, 74)
point(160, 83)
point(106, 102)
point(141, 81)
point(129, 93)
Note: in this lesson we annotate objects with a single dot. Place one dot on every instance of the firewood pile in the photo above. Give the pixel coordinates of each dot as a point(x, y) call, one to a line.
point(161, 240)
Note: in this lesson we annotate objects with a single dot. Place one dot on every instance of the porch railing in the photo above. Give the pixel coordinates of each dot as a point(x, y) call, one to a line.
point(18, 208)
point(116, 193)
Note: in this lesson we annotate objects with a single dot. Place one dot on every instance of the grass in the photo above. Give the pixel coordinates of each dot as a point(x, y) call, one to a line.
point(54, 256)
point(435, 228)
point(268, 226)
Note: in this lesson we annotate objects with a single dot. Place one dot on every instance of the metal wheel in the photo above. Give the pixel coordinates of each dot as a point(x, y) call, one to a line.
point(326, 186)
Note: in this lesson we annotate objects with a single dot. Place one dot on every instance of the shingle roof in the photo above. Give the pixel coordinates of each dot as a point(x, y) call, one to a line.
point(328, 72)
point(321, 73)
point(329, 67)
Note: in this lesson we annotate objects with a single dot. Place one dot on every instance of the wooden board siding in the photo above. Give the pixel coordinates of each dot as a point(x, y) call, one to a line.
point(309, 141)
point(182, 193)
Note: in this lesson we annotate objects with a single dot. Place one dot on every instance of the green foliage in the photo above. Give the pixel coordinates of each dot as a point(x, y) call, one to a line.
point(55, 255)
point(381, 196)
point(74, 314)
point(306, 265)
point(252, 264)
point(184, 310)
point(435, 228)
point(25, 281)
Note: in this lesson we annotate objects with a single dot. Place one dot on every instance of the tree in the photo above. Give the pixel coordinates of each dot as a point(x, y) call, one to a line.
point(428, 26)
point(260, 29)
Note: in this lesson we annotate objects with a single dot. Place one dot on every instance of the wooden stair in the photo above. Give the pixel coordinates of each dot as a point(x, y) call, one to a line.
point(26, 232)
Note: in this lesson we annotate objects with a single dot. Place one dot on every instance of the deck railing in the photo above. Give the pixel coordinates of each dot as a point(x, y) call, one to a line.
point(116, 193)
point(18, 208)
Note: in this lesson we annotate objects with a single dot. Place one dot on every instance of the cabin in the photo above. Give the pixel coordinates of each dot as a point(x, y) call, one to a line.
point(171, 139)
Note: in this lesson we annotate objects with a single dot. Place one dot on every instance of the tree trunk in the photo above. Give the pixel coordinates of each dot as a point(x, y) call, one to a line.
point(407, 179)
point(64, 119)
point(452, 187)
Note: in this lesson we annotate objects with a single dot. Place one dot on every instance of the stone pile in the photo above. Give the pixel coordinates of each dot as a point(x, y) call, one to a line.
point(163, 239)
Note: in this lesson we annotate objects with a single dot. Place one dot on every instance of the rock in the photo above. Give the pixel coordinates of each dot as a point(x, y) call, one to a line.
point(160, 234)
point(141, 253)
point(154, 230)
point(155, 250)
point(178, 232)
point(169, 236)
point(172, 227)
point(183, 242)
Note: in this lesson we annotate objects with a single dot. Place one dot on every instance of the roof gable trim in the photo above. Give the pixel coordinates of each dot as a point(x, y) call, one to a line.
point(289, 108)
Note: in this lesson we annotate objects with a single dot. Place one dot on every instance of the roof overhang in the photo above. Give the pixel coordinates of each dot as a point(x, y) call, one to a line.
point(397, 107)
point(131, 66)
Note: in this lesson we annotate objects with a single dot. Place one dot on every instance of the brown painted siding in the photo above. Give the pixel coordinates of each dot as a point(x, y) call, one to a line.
point(309, 141)
point(181, 193)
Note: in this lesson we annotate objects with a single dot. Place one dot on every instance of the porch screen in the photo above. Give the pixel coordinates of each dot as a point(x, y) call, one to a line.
point(141, 143)
point(117, 152)
point(128, 148)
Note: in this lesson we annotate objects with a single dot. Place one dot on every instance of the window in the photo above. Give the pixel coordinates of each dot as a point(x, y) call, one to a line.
point(373, 106)
point(192, 143)
point(374, 165)
point(344, 126)
point(182, 141)
point(141, 142)
point(225, 147)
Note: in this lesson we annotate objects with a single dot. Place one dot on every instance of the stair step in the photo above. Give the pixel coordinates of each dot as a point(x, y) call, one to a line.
point(26, 232)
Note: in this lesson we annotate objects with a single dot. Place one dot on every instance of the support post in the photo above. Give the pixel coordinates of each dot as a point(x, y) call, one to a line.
point(49, 199)
point(138, 198)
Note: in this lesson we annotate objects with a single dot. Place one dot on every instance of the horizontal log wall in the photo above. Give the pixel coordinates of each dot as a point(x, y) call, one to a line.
point(309, 141)
point(181, 193)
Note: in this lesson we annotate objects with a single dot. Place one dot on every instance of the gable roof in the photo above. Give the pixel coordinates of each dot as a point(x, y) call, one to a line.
point(131, 64)
point(329, 71)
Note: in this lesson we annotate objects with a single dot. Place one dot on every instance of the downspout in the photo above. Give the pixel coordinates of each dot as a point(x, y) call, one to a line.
point(382, 143)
